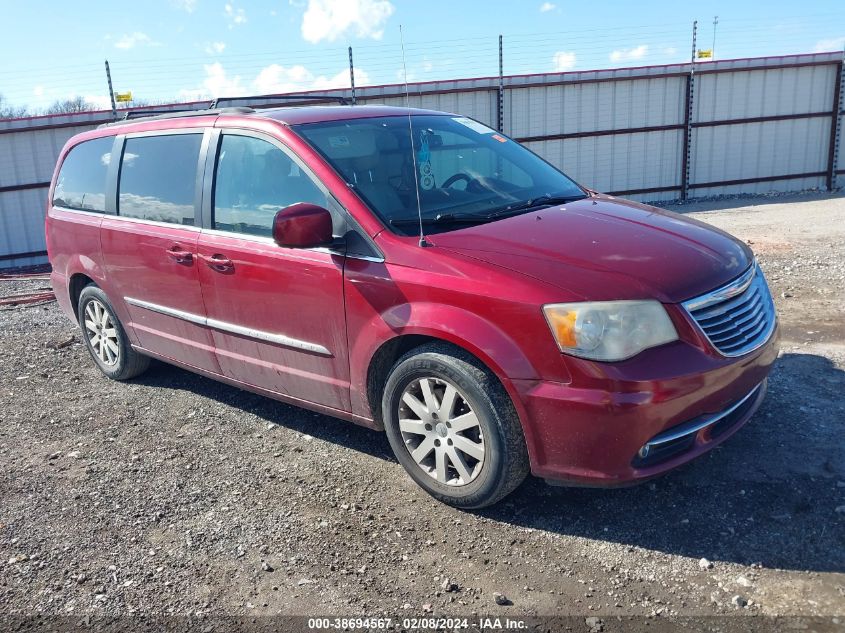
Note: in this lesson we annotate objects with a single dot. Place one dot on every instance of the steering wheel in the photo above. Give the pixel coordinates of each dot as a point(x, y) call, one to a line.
point(451, 180)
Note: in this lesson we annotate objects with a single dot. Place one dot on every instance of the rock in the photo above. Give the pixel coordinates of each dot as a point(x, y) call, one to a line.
point(304, 581)
point(449, 586)
point(501, 599)
point(705, 564)
point(739, 602)
point(266, 566)
point(595, 624)
point(74, 454)
point(742, 581)
point(427, 607)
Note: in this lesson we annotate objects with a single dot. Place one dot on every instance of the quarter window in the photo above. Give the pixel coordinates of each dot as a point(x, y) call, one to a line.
point(158, 178)
point(254, 180)
point(82, 179)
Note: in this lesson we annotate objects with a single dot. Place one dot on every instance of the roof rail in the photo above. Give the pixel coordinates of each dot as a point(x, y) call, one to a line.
point(280, 99)
point(140, 114)
point(154, 115)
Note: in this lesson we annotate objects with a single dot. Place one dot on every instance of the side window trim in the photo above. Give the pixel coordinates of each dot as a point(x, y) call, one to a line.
point(344, 222)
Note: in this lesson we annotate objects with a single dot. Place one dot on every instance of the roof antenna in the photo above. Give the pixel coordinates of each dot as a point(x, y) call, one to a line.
point(411, 134)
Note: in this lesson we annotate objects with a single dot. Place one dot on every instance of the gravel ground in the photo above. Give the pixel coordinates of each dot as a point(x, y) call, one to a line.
point(173, 494)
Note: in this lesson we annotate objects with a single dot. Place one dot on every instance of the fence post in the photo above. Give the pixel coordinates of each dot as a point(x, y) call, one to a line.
point(690, 97)
point(352, 75)
point(111, 92)
point(500, 98)
point(836, 125)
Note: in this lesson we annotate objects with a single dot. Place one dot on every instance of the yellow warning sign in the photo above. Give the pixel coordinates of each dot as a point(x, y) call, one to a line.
point(123, 96)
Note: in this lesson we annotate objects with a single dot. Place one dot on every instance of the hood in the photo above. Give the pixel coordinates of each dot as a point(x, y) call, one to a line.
point(603, 248)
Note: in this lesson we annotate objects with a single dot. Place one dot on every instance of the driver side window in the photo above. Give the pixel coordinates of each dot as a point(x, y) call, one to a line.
point(253, 180)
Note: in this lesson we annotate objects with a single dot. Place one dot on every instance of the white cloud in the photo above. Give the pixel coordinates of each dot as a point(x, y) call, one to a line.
point(563, 60)
point(100, 102)
point(272, 79)
point(622, 55)
point(330, 19)
point(825, 46)
point(234, 15)
point(547, 6)
point(135, 39)
point(186, 5)
point(214, 48)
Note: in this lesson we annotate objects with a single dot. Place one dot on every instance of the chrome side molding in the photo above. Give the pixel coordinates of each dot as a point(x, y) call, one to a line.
point(231, 328)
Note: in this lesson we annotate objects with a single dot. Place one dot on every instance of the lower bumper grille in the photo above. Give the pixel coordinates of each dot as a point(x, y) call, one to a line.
point(681, 438)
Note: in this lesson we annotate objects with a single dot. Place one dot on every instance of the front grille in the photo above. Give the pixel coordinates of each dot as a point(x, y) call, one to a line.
point(738, 317)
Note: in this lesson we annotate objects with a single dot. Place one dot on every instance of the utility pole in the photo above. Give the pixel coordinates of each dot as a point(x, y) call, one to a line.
point(501, 95)
point(111, 92)
point(713, 48)
point(352, 75)
point(686, 156)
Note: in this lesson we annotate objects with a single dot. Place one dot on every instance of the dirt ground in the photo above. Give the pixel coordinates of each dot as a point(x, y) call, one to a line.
point(173, 494)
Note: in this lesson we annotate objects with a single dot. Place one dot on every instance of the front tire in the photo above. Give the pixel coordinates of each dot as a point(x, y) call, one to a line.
point(105, 337)
point(453, 427)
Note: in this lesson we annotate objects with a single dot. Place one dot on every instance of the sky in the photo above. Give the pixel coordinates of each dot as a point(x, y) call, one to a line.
point(179, 50)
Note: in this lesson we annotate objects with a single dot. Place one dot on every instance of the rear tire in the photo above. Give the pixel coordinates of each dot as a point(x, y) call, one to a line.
point(453, 427)
point(105, 337)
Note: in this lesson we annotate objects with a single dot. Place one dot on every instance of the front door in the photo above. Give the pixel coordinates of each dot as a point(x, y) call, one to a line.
point(276, 314)
point(150, 247)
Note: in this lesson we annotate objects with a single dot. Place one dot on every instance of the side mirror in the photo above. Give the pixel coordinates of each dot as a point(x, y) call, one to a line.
point(302, 225)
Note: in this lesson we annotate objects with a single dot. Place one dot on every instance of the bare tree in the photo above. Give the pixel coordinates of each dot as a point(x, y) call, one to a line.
point(8, 111)
point(69, 106)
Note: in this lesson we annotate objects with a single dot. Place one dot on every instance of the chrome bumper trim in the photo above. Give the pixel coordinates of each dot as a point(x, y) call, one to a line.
point(695, 425)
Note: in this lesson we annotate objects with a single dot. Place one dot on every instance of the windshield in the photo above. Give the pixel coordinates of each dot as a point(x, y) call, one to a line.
point(466, 173)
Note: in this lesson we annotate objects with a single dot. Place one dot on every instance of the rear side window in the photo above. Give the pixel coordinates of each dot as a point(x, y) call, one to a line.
point(82, 178)
point(254, 180)
point(158, 178)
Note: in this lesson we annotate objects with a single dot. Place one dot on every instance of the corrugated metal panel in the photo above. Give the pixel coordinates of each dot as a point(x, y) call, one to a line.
point(479, 105)
point(759, 150)
point(618, 162)
point(768, 92)
point(22, 216)
point(562, 109)
point(554, 104)
point(792, 184)
point(30, 157)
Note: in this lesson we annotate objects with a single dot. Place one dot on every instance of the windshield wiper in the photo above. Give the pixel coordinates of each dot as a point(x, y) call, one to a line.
point(546, 200)
point(443, 218)
point(514, 208)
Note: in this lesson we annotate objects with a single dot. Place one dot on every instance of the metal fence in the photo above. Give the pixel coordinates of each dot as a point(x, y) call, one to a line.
point(652, 133)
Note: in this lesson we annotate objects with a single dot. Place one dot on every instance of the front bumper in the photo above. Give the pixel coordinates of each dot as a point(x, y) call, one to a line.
point(662, 409)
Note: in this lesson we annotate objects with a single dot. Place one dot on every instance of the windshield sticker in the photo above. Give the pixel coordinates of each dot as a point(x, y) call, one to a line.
point(475, 126)
point(339, 141)
point(499, 138)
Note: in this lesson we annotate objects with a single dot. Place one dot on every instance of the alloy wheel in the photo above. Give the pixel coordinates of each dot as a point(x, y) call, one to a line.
point(441, 431)
point(102, 333)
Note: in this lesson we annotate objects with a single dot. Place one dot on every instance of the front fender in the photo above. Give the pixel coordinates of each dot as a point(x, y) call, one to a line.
point(452, 324)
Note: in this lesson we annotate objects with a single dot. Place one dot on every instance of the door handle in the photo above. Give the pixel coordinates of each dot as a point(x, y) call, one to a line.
point(180, 256)
point(220, 263)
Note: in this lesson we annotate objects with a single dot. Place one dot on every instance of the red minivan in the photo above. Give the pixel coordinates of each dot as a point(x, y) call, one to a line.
point(417, 272)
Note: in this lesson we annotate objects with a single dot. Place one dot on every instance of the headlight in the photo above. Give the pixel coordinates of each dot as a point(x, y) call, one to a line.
point(609, 330)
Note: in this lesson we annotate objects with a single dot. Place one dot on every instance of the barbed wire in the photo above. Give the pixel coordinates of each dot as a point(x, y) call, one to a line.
point(175, 78)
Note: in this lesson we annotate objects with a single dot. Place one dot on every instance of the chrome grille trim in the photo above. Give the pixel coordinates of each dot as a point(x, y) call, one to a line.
point(737, 318)
point(694, 426)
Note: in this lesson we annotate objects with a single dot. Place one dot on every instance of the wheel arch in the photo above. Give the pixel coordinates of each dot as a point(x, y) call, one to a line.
point(491, 347)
